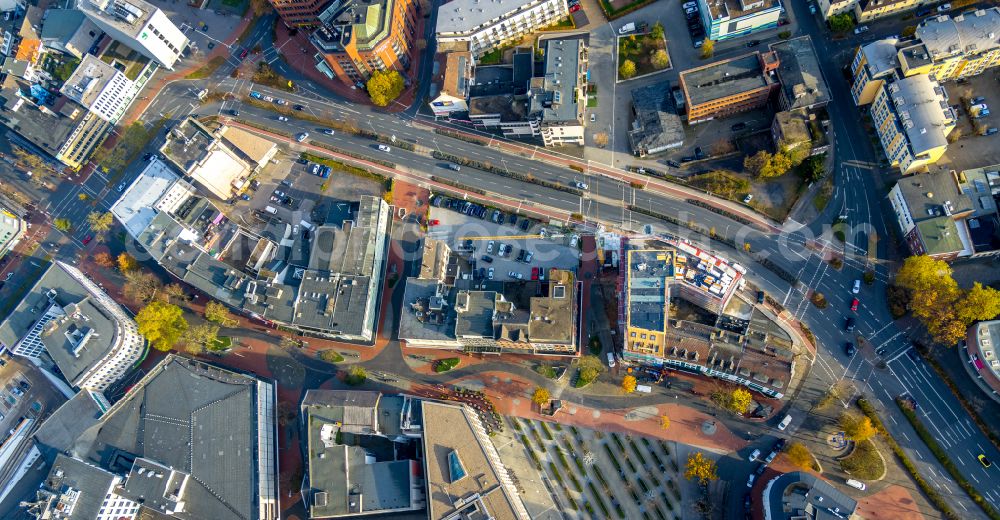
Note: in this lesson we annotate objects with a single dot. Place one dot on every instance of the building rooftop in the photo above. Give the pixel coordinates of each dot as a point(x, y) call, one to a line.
point(986, 335)
point(88, 80)
point(11, 227)
point(915, 56)
point(363, 22)
point(69, 30)
point(250, 147)
point(940, 235)
point(933, 195)
point(922, 107)
point(128, 16)
point(504, 106)
point(60, 312)
point(428, 313)
point(47, 129)
point(799, 495)
point(61, 429)
point(656, 126)
point(462, 468)
point(881, 56)
point(76, 489)
point(798, 70)
point(650, 272)
point(218, 165)
point(723, 79)
point(475, 311)
point(980, 184)
point(733, 9)
point(465, 17)
point(137, 206)
point(556, 100)
point(794, 125)
point(458, 74)
point(551, 316)
point(350, 247)
point(193, 426)
point(967, 33)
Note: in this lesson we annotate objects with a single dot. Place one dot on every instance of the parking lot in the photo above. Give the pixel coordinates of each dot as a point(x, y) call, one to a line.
point(24, 392)
point(526, 254)
point(973, 150)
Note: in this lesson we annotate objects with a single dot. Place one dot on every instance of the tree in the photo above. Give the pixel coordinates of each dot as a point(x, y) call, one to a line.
point(736, 400)
point(954, 135)
point(799, 455)
point(756, 163)
point(814, 168)
point(174, 291)
point(908, 31)
point(978, 304)
point(141, 286)
point(217, 312)
point(627, 69)
point(700, 468)
point(628, 384)
point(62, 224)
point(127, 262)
point(29, 161)
point(104, 259)
point(657, 31)
point(162, 324)
point(931, 288)
point(83, 197)
point(707, 48)
point(200, 337)
point(384, 87)
point(590, 367)
point(601, 139)
point(857, 427)
point(356, 375)
point(660, 59)
point(100, 222)
point(540, 396)
point(664, 422)
point(841, 22)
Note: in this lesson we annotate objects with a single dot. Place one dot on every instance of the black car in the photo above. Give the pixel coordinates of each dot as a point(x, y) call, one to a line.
point(850, 349)
point(849, 324)
point(687, 159)
point(760, 469)
point(738, 126)
point(760, 296)
point(512, 220)
point(698, 153)
point(780, 445)
point(525, 224)
point(299, 107)
point(753, 43)
point(673, 164)
point(880, 351)
point(487, 258)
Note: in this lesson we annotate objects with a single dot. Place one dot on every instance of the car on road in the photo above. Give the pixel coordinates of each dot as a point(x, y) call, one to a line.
point(750, 480)
point(574, 8)
point(674, 164)
point(86, 240)
point(282, 118)
point(269, 99)
point(753, 455)
point(698, 153)
point(689, 5)
point(856, 484)
point(780, 445)
point(812, 8)
point(147, 156)
point(9, 276)
point(581, 185)
point(384, 148)
point(454, 167)
point(489, 246)
point(849, 324)
point(256, 95)
point(121, 187)
point(753, 43)
point(489, 273)
point(738, 126)
point(880, 351)
point(854, 304)
point(299, 107)
point(243, 53)
point(281, 101)
point(984, 461)
point(302, 137)
point(760, 296)
point(943, 8)
point(990, 131)
point(982, 113)
point(433, 222)
point(857, 287)
point(860, 29)
point(850, 349)
point(785, 422)
point(234, 112)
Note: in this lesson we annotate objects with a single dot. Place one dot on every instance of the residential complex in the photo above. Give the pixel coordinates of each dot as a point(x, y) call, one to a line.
point(188, 440)
point(370, 453)
point(485, 26)
point(140, 25)
point(948, 214)
point(324, 280)
point(68, 324)
point(728, 87)
point(357, 37)
point(955, 47)
point(913, 119)
point(725, 19)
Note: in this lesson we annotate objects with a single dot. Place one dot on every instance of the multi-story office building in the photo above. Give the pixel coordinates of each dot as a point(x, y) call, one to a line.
point(730, 86)
point(485, 26)
point(69, 321)
point(356, 38)
point(11, 227)
point(913, 119)
point(140, 25)
point(75, 489)
point(299, 13)
point(725, 19)
point(101, 88)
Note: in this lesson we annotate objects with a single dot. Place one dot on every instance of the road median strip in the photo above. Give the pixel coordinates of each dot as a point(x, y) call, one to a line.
point(487, 167)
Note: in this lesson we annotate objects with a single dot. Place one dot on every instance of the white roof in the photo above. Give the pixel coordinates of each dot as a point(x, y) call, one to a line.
point(881, 55)
point(462, 16)
point(923, 111)
point(218, 172)
point(964, 34)
point(135, 208)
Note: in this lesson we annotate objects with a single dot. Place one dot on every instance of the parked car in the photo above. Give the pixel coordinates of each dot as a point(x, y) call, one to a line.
point(850, 349)
point(534, 273)
point(489, 273)
point(854, 304)
point(856, 484)
point(516, 276)
point(750, 480)
point(753, 455)
point(574, 8)
point(849, 324)
point(593, 117)
point(489, 246)
point(86, 241)
point(748, 198)
point(486, 258)
point(673, 164)
point(943, 8)
point(990, 131)
point(433, 222)
point(812, 8)
point(860, 29)
point(977, 100)
point(753, 43)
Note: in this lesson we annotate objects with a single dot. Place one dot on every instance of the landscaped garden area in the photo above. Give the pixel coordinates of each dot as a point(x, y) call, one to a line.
point(446, 364)
point(641, 54)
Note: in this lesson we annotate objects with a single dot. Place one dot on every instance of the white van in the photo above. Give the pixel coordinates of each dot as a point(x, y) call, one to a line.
point(785, 422)
point(611, 360)
point(643, 388)
point(856, 484)
point(271, 210)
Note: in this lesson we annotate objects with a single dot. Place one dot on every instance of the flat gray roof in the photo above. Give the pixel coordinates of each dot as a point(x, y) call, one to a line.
point(557, 102)
point(801, 78)
point(90, 482)
point(418, 320)
point(657, 126)
point(723, 79)
point(475, 313)
point(800, 494)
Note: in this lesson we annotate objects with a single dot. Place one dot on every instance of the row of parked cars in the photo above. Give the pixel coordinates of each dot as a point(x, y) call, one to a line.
point(475, 210)
point(695, 27)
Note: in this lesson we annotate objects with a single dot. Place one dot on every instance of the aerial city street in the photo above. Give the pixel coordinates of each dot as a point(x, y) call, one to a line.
point(499, 259)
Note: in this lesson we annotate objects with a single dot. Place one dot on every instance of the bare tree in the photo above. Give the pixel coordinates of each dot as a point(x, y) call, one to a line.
point(601, 139)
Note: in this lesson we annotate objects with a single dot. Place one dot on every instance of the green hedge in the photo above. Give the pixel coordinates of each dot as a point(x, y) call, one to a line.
point(990, 433)
point(599, 500)
point(932, 495)
point(945, 461)
point(638, 454)
point(461, 137)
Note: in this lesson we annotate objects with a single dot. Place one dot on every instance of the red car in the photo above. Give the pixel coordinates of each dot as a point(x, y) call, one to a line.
point(534, 273)
point(575, 8)
point(854, 305)
point(434, 222)
point(87, 240)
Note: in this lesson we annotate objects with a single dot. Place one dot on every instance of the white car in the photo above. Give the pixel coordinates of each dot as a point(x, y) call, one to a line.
point(384, 148)
point(944, 8)
point(268, 99)
point(748, 198)
point(593, 117)
point(516, 276)
point(750, 480)
point(857, 287)
point(302, 137)
point(581, 185)
point(121, 187)
point(754, 455)
point(489, 246)
point(688, 5)
point(282, 118)
point(489, 274)
point(328, 131)
point(281, 101)
point(812, 8)
point(860, 29)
